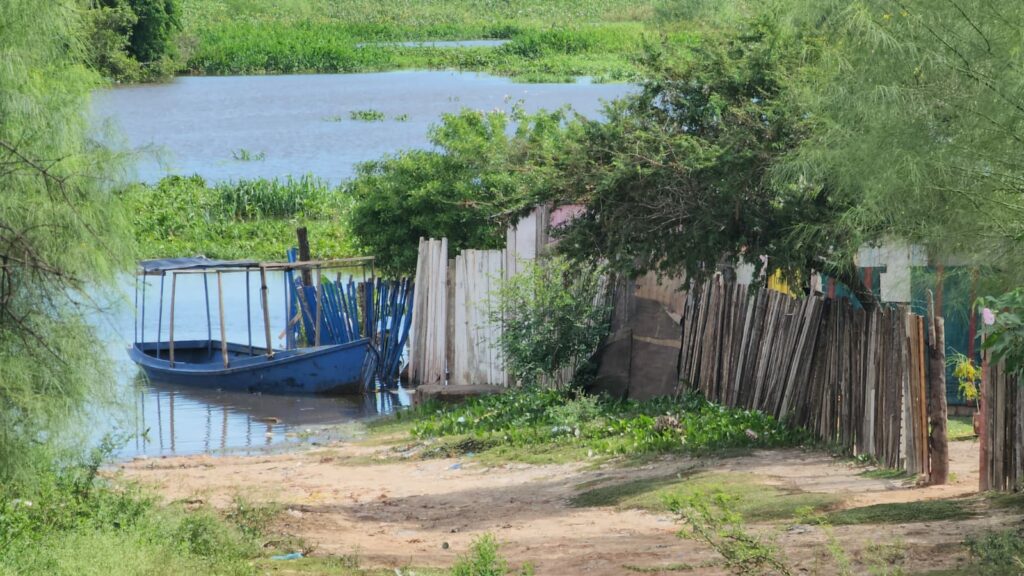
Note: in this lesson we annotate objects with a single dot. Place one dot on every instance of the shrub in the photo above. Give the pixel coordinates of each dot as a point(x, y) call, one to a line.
point(554, 315)
point(483, 560)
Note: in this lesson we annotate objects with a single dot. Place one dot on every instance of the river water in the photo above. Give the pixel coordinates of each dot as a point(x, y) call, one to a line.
point(297, 124)
point(301, 124)
point(161, 419)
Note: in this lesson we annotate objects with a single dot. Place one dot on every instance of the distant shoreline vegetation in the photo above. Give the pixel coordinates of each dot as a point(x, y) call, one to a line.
point(533, 41)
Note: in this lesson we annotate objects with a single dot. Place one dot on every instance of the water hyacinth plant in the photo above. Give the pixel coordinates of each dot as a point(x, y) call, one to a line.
point(539, 416)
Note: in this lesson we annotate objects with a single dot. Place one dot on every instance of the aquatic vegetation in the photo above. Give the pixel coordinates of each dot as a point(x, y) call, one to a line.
point(245, 219)
point(244, 155)
point(604, 41)
point(531, 417)
point(367, 115)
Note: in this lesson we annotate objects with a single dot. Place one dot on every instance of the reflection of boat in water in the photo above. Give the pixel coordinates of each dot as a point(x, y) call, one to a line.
point(183, 420)
point(289, 410)
point(339, 357)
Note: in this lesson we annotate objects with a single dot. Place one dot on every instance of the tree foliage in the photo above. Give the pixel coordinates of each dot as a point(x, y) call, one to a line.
point(61, 229)
point(916, 121)
point(677, 179)
point(132, 40)
point(481, 174)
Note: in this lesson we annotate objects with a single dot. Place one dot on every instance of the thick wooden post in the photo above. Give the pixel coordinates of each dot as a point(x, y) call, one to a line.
point(223, 329)
point(266, 311)
point(938, 444)
point(304, 255)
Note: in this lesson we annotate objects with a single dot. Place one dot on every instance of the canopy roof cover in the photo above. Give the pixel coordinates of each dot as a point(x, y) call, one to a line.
point(196, 263)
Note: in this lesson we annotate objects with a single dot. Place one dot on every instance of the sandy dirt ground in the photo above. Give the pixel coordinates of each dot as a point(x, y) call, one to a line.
point(426, 512)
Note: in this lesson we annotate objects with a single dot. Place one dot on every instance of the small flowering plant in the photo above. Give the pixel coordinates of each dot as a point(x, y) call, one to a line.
point(1002, 332)
point(968, 377)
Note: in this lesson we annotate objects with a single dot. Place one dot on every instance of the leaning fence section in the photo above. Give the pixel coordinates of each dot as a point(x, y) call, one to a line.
point(428, 337)
point(855, 379)
point(1002, 429)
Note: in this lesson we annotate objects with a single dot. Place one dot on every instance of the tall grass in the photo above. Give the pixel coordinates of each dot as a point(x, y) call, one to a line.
point(71, 521)
point(247, 219)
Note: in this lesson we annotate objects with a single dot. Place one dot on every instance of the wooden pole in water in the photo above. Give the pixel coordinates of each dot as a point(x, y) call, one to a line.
point(319, 308)
point(248, 312)
point(304, 256)
point(142, 321)
point(170, 336)
point(223, 330)
point(135, 318)
point(160, 315)
point(209, 324)
point(266, 309)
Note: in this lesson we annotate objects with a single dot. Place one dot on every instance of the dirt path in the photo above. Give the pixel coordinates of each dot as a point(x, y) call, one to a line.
point(426, 512)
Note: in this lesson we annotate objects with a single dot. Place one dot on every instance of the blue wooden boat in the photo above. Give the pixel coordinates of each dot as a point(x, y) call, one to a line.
point(343, 365)
point(333, 369)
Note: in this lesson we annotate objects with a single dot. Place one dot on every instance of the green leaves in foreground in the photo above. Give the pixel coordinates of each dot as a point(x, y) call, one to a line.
point(534, 416)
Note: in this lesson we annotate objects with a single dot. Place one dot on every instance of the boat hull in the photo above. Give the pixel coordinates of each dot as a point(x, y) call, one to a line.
point(334, 369)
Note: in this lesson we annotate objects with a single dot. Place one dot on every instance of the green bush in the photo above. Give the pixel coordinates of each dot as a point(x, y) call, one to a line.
point(553, 317)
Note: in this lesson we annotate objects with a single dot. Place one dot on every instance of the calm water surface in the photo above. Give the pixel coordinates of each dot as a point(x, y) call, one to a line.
point(162, 419)
point(301, 123)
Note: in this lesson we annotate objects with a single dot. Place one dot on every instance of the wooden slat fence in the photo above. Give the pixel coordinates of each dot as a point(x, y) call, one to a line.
point(1002, 429)
point(473, 337)
point(428, 339)
point(855, 379)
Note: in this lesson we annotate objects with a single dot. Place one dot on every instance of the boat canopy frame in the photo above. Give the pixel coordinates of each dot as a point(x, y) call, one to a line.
point(205, 267)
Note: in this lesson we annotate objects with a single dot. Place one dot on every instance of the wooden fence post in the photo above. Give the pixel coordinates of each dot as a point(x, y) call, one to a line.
point(938, 445)
point(984, 481)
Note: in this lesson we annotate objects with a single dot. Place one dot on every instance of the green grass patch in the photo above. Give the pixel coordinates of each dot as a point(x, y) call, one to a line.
point(754, 500)
point(960, 428)
point(998, 552)
point(903, 513)
point(72, 522)
point(1006, 500)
